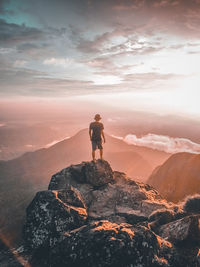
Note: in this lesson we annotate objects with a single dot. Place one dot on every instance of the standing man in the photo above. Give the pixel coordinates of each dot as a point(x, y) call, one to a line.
point(96, 133)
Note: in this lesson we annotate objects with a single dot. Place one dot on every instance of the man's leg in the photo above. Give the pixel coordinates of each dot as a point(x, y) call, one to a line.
point(101, 153)
point(94, 146)
point(93, 155)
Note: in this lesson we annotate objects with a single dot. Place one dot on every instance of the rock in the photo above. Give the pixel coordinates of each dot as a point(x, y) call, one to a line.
point(7, 257)
point(77, 172)
point(95, 173)
point(184, 230)
point(107, 193)
point(117, 198)
point(131, 216)
point(162, 216)
point(48, 216)
point(98, 173)
point(148, 206)
point(104, 243)
point(84, 177)
point(73, 175)
point(192, 204)
point(72, 197)
point(92, 216)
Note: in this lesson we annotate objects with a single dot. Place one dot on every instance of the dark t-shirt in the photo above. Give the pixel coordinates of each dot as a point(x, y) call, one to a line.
point(96, 128)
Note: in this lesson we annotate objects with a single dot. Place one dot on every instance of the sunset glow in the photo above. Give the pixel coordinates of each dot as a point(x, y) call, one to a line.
point(144, 53)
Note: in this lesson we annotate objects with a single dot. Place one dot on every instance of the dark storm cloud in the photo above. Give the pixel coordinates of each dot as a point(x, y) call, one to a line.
point(2, 6)
point(11, 33)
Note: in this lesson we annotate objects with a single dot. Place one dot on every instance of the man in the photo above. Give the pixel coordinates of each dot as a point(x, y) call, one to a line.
point(96, 133)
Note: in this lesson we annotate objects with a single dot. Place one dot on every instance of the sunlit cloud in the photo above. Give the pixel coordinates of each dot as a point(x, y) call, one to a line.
point(19, 63)
point(163, 143)
point(61, 62)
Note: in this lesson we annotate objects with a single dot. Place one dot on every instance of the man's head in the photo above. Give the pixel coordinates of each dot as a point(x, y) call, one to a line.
point(97, 117)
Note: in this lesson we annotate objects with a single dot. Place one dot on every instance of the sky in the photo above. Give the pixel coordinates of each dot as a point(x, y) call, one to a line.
point(132, 54)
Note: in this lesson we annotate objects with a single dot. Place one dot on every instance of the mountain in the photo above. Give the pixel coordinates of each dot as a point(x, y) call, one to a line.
point(18, 138)
point(177, 177)
point(94, 216)
point(20, 178)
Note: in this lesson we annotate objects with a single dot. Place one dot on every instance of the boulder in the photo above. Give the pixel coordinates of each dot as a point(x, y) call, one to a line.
point(95, 173)
point(183, 230)
point(72, 175)
point(98, 173)
point(162, 216)
point(50, 214)
point(131, 216)
point(104, 243)
point(109, 194)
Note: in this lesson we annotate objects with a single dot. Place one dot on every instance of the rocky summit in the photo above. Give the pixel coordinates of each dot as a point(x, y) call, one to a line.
point(93, 216)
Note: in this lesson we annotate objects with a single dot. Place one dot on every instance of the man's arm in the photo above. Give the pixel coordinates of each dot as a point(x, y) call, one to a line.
point(90, 132)
point(102, 133)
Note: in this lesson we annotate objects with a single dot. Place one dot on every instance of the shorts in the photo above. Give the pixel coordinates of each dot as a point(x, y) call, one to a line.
point(97, 144)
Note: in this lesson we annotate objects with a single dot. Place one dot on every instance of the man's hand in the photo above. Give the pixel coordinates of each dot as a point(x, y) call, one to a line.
point(104, 140)
point(90, 134)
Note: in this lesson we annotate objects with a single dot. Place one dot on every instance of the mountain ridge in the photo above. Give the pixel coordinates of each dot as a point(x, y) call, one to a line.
point(21, 178)
point(178, 176)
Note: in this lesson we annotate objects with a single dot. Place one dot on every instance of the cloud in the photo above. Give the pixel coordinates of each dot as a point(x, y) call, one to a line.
point(105, 66)
point(111, 120)
point(97, 44)
point(2, 6)
point(179, 17)
point(149, 76)
point(13, 33)
point(19, 63)
point(131, 5)
point(148, 80)
point(163, 143)
point(121, 41)
point(61, 62)
point(107, 39)
point(25, 82)
point(6, 50)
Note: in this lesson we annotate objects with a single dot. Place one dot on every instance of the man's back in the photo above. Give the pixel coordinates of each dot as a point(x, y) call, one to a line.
point(96, 128)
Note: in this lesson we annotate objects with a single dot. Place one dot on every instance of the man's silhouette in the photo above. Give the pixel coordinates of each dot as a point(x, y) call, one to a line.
point(96, 133)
